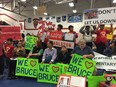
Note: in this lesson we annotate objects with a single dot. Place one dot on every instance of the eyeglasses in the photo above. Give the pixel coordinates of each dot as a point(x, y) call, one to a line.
point(110, 78)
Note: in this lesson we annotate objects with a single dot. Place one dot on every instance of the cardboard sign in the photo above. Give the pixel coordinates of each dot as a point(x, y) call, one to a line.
point(26, 67)
point(109, 36)
point(48, 73)
point(10, 32)
point(30, 42)
point(80, 66)
point(100, 16)
point(93, 81)
point(104, 62)
point(58, 43)
point(71, 81)
point(64, 68)
point(56, 35)
point(69, 37)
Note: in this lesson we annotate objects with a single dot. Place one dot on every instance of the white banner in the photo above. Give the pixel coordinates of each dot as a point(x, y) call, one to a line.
point(104, 62)
point(100, 16)
point(59, 43)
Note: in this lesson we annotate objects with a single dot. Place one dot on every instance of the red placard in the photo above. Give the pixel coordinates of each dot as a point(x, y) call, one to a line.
point(56, 35)
point(10, 32)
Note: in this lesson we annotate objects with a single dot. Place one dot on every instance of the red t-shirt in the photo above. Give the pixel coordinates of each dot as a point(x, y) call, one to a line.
point(9, 51)
point(101, 36)
point(1, 47)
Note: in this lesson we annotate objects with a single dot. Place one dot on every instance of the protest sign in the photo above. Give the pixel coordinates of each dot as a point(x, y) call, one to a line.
point(100, 16)
point(10, 32)
point(56, 35)
point(58, 43)
point(30, 42)
point(48, 73)
point(26, 67)
point(64, 68)
point(93, 81)
point(80, 66)
point(69, 37)
point(104, 62)
point(71, 81)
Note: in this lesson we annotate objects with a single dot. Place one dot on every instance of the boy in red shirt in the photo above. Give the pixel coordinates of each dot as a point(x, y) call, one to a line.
point(8, 50)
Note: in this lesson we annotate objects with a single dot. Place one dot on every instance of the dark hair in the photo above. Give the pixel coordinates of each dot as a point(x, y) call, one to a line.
point(87, 26)
point(39, 44)
point(10, 39)
point(60, 26)
point(70, 27)
point(51, 42)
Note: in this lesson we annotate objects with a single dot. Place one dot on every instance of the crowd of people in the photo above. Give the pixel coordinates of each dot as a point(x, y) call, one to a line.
point(45, 52)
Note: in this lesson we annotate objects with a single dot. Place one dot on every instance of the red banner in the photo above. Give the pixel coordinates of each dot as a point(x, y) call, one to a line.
point(56, 35)
point(10, 32)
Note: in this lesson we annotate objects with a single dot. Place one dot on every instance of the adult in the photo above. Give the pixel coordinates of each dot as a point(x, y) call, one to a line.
point(49, 54)
point(1, 56)
point(63, 56)
point(87, 34)
point(19, 51)
point(83, 50)
point(101, 39)
point(36, 52)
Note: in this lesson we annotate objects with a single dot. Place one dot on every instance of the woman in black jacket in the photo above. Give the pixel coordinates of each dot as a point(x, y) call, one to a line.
point(63, 56)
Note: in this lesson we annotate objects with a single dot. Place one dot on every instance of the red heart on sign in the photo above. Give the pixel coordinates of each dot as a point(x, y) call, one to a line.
point(33, 63)
point(88, 64)
point(55, 69)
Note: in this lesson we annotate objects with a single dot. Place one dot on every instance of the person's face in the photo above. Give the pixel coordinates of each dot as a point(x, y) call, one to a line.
point(87, 28)
point(49, 45)
point(9, 42)
point(82, 44)
point(19, 44)
point(58, 28)
point(63, 49)
point(71, 29)
point(102, 27)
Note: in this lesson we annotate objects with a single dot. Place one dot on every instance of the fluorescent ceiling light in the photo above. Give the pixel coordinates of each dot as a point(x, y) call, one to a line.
point(114, 1)
point(71, 4)
point(74, 11)
point(23, 0)
point(1, 5)
point(45, 13)
point(35, 7)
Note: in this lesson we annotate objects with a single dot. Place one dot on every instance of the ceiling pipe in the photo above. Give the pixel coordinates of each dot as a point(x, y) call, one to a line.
point(13, 12)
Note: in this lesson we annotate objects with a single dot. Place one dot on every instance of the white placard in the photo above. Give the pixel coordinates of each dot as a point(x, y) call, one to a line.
point(104, 62)
point(71, 81)
point(100, 16)
point(58, 43)
point(69, 37)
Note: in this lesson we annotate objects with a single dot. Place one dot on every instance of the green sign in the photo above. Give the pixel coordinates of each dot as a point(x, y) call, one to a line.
point(26, 67)
point(30, 42)
point(48, 73)
point(64, 68)
point(80, 66)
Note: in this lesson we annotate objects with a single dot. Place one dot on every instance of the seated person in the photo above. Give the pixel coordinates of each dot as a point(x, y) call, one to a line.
point(63, 56)
point(83, 50)
point(49, 54)
point(19, 51)
point(37, 51)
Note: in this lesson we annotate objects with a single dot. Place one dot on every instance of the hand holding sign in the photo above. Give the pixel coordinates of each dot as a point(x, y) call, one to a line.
point(81, 67)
